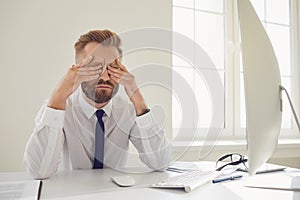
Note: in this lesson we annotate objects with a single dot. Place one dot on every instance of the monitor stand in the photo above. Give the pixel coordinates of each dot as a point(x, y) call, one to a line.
point(291, 104)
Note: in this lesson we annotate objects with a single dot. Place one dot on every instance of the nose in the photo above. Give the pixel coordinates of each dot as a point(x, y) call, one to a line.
point(104, 74)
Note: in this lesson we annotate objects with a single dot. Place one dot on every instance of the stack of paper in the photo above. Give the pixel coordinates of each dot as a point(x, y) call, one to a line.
point(20, 190)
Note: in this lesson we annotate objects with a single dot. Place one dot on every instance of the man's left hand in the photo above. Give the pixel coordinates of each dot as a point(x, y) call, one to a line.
point(120, 74)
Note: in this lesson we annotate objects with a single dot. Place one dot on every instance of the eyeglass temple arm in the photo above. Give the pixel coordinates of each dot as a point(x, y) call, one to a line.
point(232, 163)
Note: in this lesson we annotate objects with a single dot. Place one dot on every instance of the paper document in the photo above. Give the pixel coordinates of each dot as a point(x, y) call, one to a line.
point(181, 167)
point(265, 168)
point(275, 182)
point(20, 190)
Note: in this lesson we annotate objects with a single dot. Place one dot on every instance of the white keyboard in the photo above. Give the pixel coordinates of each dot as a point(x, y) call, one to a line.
point(189, 180)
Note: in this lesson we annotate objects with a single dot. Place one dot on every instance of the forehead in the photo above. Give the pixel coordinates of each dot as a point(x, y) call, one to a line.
point(100, 53)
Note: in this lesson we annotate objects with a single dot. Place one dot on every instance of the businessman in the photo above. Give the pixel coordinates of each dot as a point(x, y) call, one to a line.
point(85, 124)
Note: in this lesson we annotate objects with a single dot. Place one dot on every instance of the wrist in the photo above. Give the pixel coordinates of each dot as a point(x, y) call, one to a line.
point(131, 90)
point(139, 103)
point(143, 111)
point(58, 100)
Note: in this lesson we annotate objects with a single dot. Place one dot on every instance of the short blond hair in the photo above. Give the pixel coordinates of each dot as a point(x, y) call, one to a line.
point(103, 37)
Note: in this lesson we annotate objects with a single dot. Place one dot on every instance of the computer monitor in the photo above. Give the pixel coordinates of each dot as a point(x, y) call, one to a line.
point(262, 88)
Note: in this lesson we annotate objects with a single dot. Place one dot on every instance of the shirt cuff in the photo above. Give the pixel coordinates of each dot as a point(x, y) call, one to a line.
point(54, 118)
point(145, 120)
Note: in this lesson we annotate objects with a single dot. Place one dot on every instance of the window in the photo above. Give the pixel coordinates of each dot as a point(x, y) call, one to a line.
point(213, 25)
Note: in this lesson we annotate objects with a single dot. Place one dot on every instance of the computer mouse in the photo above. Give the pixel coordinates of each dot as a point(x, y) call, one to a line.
point(123, 181)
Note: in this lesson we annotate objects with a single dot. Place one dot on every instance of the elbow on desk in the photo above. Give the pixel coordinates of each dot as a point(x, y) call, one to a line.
point(38, 173)
point(38, 176)
point(34, 173)
point(35, 170)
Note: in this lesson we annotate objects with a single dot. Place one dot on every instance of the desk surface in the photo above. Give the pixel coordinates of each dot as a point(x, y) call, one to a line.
point(92, 184)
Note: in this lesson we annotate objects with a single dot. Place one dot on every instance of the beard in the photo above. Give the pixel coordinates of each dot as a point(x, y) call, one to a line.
point(99, 95)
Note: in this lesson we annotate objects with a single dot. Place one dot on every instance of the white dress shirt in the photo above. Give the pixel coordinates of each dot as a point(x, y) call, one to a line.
point(65, 139)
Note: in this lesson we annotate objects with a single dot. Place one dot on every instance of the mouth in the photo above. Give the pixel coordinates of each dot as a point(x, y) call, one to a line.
point(103, 86)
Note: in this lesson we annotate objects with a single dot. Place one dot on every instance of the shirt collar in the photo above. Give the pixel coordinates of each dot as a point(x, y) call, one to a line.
point(89, 110)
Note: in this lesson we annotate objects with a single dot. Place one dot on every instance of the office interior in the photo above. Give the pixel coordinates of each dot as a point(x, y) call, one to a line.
point(37, 40)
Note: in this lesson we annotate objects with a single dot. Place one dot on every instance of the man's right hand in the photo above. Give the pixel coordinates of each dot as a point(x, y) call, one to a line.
point(72, 79)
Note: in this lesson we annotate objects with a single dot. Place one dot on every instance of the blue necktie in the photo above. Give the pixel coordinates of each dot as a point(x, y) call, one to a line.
point(99, 141)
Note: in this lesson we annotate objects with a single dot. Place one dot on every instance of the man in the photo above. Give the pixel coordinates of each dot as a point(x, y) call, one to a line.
point(70, 133)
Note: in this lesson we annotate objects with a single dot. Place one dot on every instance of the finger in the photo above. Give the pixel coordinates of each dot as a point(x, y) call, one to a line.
point(118, 73)
point(88, 72)
point(114, 65)
point(86, 61)
point(93, 68)
point(90, 78)
point(115, 70)
point(121, 65)
point(120, 80)
point(74, 68)
point(116, 79)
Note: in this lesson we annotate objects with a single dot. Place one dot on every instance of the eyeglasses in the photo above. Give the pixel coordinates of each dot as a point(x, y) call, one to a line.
point(231, 159)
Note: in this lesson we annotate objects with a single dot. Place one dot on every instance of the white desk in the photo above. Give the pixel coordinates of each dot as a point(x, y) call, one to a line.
point(96, 184)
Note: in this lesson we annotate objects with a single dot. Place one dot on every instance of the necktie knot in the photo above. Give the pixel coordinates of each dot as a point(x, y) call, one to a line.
point(99, 114)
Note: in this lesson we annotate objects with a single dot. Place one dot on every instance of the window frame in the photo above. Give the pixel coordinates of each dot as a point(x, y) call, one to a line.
point(232, 129)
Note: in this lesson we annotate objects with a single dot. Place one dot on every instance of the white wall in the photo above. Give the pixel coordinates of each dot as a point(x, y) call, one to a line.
point(37, 38)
